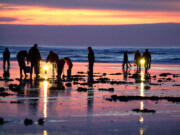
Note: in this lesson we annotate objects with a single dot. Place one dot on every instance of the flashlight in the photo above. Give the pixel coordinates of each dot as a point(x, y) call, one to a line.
point(142, 61)
point(45, 68)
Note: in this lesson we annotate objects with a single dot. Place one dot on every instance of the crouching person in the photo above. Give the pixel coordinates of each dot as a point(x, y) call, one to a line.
point(21, 56)
point(70, 65)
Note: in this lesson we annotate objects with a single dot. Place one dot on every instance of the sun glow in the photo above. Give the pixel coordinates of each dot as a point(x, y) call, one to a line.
point(38, 15)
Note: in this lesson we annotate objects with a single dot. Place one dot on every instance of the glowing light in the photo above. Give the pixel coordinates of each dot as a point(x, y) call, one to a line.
point(141, 131)
point(142, 61)
point(142, 76)
point(142, 105)
point(45, 83)
point(142, 90)
point(45, 68)
point(141, 119)
point(45, 132)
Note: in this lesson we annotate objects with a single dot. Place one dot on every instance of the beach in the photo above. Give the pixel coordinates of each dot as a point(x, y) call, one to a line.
point(115, 103)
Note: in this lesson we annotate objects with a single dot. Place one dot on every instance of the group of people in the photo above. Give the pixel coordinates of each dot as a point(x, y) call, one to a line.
point(33, 57)
point(145, 58)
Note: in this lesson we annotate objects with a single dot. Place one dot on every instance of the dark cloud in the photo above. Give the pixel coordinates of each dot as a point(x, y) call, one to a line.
point(157, 5)
point(145, 35)
point(7, 19)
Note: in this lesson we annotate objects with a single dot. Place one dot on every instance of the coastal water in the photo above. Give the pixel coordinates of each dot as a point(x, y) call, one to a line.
point(102, 54)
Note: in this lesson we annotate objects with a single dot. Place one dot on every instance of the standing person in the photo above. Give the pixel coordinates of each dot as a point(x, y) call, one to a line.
point(34, 57)
point(70, 65)
point(91, 59)
point(147, 57)
point(126, 61)
point(6, 57)
point(137, 59)
point(21, 61)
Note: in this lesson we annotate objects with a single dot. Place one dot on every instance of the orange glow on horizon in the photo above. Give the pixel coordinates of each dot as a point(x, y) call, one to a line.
point(36, 15)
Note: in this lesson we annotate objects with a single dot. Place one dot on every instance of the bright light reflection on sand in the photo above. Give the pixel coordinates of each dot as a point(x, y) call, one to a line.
point(141, 132)
point(45, 84)
point(141, 119)
point(45, 132)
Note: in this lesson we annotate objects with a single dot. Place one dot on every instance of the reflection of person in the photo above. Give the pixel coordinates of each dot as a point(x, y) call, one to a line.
point(137, 59)
point(6, 57)
point(60, 67)
point(34, 57)
point(70, 65)
point(21, 61)
point(147, 57)
point(126, 61)
point(91, 59)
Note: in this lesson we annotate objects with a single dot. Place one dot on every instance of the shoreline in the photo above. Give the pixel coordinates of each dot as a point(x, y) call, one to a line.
point(79, 102)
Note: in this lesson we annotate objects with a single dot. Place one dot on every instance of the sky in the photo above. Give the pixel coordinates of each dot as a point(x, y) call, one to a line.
point(90, 13)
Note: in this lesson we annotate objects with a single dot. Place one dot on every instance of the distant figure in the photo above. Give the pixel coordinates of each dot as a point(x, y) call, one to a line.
point(126, 61)
point(60, 68)
point(21, 56)
point(91, 59)
point(6, 57)
point(137, 59)
point(70, 65)
point(147, 57)
point(34, 57)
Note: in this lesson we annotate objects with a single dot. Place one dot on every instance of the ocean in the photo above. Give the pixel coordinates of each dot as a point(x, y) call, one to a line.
point(102, 54)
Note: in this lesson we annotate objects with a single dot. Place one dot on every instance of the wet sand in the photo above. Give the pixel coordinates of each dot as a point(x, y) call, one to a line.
point(85, 109)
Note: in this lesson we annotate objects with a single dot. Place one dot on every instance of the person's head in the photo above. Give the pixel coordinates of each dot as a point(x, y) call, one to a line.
point(35, 45)
point(146, 50)
point(6, 49)
point(51, 52)
point(89, 48)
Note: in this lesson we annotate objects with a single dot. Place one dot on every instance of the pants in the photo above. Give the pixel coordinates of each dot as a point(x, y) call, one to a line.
point(36, 67)
point(91, 64)
point(22, 66)
point(60, 70)
point(4, 63)
point(69, 72)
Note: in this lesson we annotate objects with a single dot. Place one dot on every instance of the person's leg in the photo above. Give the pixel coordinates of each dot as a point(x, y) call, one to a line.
point(91, 64)
point(68, 73)
point(21, 72)
point(36, 67)
point(8, 62)
point(31, 70)
point(4, 63)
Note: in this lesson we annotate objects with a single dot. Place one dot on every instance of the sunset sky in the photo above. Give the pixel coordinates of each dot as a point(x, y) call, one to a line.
point(88, 12)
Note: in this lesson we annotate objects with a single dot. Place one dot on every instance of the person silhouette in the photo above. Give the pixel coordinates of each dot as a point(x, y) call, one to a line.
point(91, 60)
point(34, 57)
point(53, 58)
point(6, 57)
point(70, 65)
point(137, 58)
point(147, 57)
point(126, 61)
point(21, 61)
